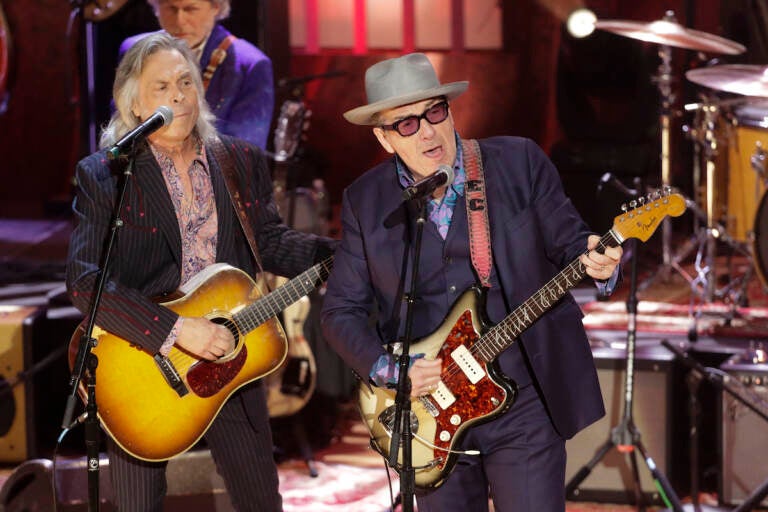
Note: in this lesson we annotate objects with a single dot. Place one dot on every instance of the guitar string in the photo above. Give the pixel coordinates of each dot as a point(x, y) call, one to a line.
point(485, 341)
point(479, 347)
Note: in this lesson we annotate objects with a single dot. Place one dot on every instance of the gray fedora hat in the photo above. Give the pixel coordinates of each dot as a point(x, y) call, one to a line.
point(400, 81)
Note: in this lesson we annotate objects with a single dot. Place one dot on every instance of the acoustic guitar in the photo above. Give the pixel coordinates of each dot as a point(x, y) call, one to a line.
point(472, 389)
point(157, 407)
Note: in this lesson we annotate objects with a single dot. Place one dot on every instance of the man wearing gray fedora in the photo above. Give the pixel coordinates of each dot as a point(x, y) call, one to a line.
point(497, 219)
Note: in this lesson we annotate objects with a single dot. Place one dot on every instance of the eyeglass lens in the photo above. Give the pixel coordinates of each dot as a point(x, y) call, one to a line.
point(435, 114)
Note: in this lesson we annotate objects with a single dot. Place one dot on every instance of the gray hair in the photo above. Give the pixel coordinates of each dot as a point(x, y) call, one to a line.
point(126, 88)
point(224, 7)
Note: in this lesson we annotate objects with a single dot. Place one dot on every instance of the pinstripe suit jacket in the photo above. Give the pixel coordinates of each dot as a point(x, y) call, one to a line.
point(146, 257)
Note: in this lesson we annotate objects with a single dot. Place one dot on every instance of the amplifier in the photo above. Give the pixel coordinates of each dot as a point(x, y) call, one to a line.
point(34, 377)
point(611, 479)
point(744, 433)
point(193, 484)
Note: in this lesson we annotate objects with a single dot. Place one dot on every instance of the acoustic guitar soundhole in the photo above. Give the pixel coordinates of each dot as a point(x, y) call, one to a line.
point(206, 378)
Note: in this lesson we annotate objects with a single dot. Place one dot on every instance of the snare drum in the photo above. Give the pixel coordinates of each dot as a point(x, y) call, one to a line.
point(746, 175)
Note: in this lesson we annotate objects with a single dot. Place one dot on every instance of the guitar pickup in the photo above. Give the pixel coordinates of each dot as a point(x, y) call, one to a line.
point(443, 396)
point(170, 374)
point(468, 364)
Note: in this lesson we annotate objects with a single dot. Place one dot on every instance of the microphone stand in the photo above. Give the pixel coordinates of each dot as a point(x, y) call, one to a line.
point(86, 357)
point(404, 437)
point(625, 436)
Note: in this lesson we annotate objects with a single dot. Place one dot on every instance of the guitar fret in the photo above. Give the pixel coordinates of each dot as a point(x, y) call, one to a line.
point(277, 300)
point(504, 334)
point(499, 337)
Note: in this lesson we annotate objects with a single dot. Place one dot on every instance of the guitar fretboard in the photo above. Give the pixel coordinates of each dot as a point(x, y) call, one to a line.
point(503, 334)
point(277, 300)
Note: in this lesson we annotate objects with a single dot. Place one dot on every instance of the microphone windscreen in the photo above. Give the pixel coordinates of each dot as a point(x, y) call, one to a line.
point(166, 113)
point(449, 174)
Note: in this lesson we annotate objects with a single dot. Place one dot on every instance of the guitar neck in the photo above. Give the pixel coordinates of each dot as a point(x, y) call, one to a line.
point(503, 334)
point(277, 300)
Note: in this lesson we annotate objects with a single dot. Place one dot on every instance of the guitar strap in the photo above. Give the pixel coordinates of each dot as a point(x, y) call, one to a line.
point(477, 212)
point(217, 57)
point(227, 164)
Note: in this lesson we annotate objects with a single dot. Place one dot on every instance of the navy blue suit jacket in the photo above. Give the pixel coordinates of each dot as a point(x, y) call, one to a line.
point(535, 232)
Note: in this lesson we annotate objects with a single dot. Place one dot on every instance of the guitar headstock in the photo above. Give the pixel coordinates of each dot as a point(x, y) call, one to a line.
point(642, 216)
point(291, 124)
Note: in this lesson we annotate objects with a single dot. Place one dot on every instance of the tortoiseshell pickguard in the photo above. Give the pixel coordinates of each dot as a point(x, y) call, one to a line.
point(480, 401)
point(205, 378)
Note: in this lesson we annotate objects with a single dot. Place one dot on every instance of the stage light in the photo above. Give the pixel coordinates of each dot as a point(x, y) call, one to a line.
point(581, 23)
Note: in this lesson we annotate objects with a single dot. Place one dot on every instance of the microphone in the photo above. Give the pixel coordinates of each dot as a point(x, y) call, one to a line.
point(444, 175)
point(162, 116)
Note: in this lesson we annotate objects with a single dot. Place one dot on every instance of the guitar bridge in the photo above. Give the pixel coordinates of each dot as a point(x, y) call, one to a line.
point(170, 374)
point(387, 420)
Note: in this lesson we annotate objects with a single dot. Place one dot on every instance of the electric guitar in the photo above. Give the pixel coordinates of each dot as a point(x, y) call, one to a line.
point(472, 389)
point(290, 387)
point(157, 407)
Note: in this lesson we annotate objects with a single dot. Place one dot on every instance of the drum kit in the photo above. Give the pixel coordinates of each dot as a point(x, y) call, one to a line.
point(730, 134)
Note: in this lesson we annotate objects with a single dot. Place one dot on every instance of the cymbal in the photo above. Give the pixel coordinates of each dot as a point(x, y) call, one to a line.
point(746, 79)
point(671, 33)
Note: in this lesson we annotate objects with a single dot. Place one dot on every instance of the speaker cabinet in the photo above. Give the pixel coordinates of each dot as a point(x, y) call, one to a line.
point(744, 434)
point(611, 479)
point(15, 443)
point(33, 378)
point(193, 484)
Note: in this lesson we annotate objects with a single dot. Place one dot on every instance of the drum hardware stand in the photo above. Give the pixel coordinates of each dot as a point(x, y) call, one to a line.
point(664, 82)
point(703, 286)
point(723, 383)
point(625, 437)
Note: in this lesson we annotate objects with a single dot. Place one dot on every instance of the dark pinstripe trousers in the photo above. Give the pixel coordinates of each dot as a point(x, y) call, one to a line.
point(240, 441)
point(522, 464)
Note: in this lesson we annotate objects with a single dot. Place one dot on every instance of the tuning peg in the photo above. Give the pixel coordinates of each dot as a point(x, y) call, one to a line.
point(633, 204)
point(641, 200)
point(624, 207)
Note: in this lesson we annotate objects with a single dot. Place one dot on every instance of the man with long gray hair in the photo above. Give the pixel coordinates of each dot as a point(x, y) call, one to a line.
point(237, 76)
point(177, 221)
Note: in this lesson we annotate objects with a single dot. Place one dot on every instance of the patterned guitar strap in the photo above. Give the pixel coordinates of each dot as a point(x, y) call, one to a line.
point(217, 57)
point(227, 164)
point(477, 212)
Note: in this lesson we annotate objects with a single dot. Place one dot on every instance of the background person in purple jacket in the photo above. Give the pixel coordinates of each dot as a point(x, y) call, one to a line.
point(240, 91)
